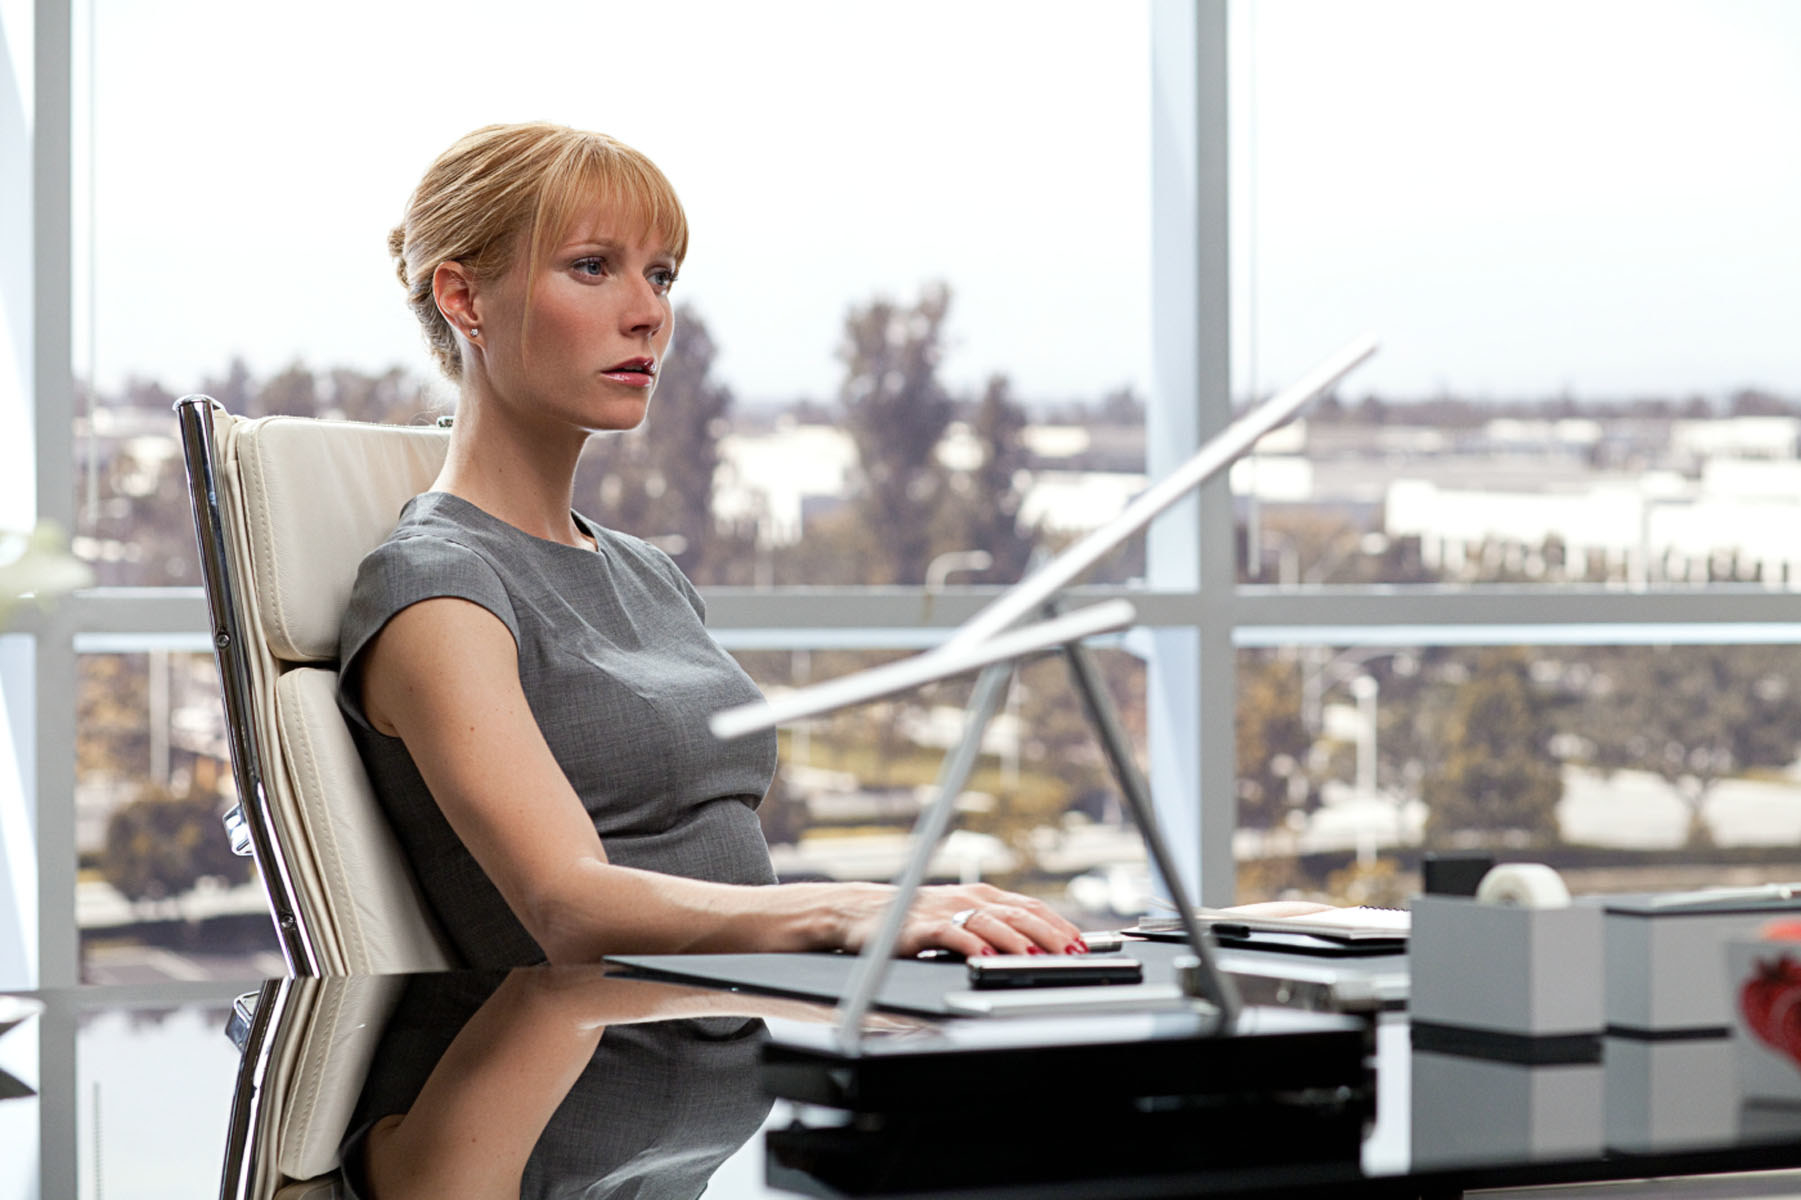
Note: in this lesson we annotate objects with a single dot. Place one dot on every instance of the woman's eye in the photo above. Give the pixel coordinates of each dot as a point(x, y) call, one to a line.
point(662, 278)
point(594, 267)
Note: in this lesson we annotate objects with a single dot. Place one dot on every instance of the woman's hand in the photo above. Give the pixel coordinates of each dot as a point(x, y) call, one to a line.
point(969, 919)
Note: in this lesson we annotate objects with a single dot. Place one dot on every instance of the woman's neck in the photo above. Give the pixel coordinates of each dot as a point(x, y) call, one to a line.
point(524, 477)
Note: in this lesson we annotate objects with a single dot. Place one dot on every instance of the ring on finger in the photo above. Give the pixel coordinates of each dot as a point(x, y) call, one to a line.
point(960, 919)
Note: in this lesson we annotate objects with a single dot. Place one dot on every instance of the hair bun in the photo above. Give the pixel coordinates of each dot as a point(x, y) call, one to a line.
point(397, 250)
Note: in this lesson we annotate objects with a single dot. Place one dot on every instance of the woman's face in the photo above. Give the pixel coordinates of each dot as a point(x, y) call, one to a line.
point(599, 322)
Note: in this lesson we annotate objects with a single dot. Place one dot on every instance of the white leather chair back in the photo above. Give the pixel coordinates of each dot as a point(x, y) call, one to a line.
point(302, 501)
point(317, 496)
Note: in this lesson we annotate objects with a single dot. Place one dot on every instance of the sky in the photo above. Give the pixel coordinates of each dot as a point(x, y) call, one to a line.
point(1521, 199)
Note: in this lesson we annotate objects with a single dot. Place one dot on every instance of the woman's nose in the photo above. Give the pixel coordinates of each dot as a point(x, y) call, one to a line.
point(645, 313)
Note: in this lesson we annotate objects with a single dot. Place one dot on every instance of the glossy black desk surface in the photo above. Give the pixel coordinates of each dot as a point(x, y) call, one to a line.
point(129, 1092)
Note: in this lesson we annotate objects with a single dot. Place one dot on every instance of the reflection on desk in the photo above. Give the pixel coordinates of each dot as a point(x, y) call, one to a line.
point(534, 1082)
point(135, 1084)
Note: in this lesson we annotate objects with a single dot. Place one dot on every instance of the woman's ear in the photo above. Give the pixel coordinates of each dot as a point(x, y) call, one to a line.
point(453, 288)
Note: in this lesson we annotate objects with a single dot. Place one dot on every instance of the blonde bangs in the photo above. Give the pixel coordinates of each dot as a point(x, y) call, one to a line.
point(596, 172)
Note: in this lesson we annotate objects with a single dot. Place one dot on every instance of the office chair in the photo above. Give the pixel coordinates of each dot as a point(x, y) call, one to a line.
point(284, 510)
point(306, 1046)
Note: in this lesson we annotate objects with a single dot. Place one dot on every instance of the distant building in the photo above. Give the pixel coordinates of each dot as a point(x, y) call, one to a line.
point(1636, 501)
point(791, 472)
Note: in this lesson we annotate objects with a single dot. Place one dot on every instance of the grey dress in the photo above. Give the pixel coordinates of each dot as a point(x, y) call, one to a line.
point(620, 673)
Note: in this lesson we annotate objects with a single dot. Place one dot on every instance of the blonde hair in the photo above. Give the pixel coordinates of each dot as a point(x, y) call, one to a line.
point(483, 194)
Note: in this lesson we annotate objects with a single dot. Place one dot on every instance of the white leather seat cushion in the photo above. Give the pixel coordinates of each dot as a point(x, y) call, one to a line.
point(318, 496)
point(381, 920)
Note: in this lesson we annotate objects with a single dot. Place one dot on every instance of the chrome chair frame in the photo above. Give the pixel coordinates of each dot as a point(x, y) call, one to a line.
point(250, 823)
point(255, 1016)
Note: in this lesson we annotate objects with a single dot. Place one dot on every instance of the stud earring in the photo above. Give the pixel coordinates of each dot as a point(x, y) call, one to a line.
point(475, 331)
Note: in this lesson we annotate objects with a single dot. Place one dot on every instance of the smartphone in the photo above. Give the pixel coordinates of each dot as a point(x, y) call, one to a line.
point(1052, 970)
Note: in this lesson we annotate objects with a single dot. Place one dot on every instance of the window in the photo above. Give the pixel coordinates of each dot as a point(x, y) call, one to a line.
point(978, 231)
point(1569, 457)
point(1567, 225)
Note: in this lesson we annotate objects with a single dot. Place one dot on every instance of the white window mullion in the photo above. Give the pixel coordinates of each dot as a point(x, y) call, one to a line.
point(1190, 679)
point(52, 388)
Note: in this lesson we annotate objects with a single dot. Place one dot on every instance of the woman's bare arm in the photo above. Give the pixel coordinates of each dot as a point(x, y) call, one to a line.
point(443, 676)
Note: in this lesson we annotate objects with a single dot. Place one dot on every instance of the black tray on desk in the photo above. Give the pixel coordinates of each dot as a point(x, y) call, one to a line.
point(991, 1104)
point(1008, 1155)
point(971, 1069)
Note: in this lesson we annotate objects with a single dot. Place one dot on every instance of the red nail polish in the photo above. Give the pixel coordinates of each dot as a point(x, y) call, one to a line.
point(1075, 948)
point(1033, 950)
point(987, 950)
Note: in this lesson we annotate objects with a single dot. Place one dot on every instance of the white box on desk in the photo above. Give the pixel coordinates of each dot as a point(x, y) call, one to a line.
point(1666, 1094)
point(1664, 963)
point(1531, 971)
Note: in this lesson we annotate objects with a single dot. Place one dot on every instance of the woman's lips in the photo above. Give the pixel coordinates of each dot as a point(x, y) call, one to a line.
point(634, 372)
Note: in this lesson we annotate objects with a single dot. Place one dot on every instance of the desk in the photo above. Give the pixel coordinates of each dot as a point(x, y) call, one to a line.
point(134, 1091)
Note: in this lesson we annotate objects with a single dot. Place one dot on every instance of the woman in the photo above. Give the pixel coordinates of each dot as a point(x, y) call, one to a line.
point(529, 689)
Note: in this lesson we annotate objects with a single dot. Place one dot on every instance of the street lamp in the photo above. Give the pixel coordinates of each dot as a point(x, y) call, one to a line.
point(1365, 689)
point(1315, 681)
point(940, 568)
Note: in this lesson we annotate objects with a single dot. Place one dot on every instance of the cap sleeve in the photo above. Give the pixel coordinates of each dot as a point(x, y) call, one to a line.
point(399, 573)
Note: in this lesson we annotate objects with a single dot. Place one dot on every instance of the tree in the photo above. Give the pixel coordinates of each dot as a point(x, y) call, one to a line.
point(234, 389)
point(896, 410)
point(1272, 741)
point(984, 509)
point(1497, 775)
point(294, 392)
point(392, 398)
point(1122, 407)
point(1692, 715)
point(112, 695)
point(160, 845)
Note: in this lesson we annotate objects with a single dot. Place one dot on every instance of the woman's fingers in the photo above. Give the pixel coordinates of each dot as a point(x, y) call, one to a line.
point(1038, 921)
point(990, 921)
point(1010, 929)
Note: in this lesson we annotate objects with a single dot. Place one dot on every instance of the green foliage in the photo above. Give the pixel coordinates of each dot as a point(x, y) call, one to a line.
point(160, 845)
point(38, 564)
point(1497, 775)
point(1272, 742)
point(112, 697)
